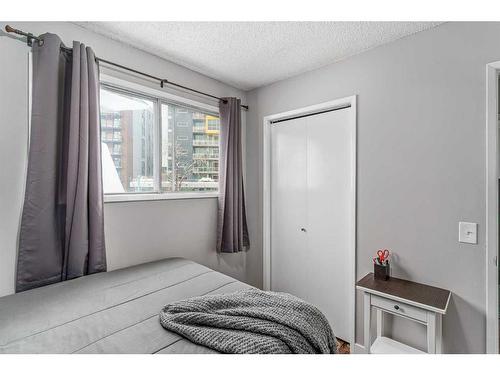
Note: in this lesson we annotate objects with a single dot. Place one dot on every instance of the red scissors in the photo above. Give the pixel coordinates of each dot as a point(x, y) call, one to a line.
point(383, 255)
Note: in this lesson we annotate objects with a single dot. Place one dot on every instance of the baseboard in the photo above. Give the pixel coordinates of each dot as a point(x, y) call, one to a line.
point(358, 349)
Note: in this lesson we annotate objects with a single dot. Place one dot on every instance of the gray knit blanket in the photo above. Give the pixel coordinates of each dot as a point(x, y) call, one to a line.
point(249, 322)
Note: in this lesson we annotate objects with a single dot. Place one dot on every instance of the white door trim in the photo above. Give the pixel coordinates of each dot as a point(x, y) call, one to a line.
point(338, 103)
point(492, 174)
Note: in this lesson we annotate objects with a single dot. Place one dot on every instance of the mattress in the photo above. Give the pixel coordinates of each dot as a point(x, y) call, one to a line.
point(110, 312)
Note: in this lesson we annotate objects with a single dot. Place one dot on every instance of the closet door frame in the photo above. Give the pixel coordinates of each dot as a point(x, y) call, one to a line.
point(492, 211)
point(310, 110)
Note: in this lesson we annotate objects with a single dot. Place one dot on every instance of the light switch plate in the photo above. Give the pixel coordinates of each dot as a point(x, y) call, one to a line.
point(467, 232)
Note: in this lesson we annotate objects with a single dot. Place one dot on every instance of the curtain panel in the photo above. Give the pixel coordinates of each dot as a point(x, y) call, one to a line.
point(62, 224)
point(232, 230)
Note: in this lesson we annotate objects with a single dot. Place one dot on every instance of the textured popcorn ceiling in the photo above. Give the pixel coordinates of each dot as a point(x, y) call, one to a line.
point(247, 55)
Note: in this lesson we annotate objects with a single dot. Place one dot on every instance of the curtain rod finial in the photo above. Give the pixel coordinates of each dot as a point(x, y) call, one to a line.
point(163, 81)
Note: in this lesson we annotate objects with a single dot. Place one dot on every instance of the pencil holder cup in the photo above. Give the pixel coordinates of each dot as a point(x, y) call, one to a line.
point(381, 272)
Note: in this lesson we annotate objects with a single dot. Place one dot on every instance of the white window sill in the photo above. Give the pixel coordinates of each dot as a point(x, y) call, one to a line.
point(115, 198)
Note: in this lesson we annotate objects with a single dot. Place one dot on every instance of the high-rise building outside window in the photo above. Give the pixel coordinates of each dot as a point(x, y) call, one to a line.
point(180, 155)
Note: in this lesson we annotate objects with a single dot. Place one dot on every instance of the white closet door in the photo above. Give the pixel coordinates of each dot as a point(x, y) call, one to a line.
point(288, 207)
point(311, 188)
point(329, 216)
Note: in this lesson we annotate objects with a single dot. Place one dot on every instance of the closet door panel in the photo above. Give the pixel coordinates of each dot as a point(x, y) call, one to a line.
point(288, 208)
point(329, 215)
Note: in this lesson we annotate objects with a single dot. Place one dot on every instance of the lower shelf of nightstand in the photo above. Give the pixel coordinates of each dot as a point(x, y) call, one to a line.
point(385, 345)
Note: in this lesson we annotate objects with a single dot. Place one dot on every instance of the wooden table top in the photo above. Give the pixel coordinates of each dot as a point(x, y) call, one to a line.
point(427, 296)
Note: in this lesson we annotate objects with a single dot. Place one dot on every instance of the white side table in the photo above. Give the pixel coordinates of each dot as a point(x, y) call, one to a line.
point(421, 303)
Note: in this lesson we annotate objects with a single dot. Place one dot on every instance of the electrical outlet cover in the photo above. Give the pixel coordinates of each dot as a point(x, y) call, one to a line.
point(467, 232)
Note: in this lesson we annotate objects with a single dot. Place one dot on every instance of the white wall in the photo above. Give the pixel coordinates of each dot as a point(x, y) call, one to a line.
point(421, 162)
point(13, 153)
point(136, 232)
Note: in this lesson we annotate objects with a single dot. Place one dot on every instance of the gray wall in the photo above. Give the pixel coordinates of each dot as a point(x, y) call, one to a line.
point(135, 231)
point(421, 162)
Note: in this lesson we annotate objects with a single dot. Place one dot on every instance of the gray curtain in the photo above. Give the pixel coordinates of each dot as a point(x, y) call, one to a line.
point(62, 231)
point(232, 231)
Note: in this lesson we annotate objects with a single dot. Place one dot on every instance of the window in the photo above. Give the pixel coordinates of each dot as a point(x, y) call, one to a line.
point(127, 151)
point(192, 155)
point(212, 125)
point(152, 146)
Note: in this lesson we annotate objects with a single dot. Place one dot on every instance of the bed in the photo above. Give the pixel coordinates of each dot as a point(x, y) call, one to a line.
point(111, 312)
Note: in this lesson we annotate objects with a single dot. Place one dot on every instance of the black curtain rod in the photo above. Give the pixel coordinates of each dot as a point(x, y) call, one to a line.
point(311, 114)
point(30, 38)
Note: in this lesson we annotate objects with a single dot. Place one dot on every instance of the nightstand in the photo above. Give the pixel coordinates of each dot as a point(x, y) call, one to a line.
point(421, 303)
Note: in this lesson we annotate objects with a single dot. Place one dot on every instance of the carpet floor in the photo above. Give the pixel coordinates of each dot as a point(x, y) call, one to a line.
point(343, 347)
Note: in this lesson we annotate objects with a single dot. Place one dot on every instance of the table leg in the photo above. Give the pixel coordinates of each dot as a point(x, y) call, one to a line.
point(439, 333)
point(367, 320)
point(431, 332)
point(380, 323)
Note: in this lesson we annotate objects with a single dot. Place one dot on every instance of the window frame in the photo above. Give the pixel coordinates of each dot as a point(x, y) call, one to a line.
point(159, 98)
